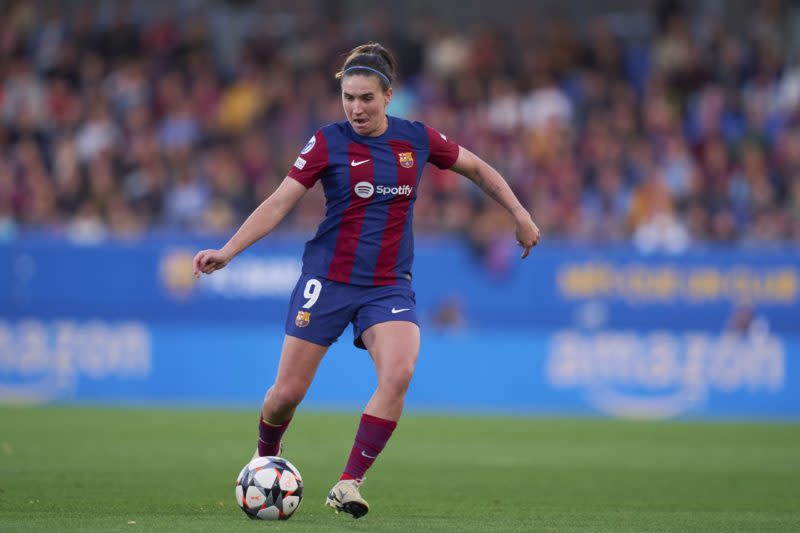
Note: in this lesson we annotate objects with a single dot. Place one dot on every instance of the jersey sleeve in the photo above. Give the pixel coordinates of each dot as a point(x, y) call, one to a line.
point(312, 161)
point(444, 152)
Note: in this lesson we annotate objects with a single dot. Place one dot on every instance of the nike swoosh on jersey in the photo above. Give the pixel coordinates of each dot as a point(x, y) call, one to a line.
point(354, 163)
point(367, 456)
point(395, 311)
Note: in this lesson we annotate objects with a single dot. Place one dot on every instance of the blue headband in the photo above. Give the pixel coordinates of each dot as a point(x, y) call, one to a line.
point(378, 72)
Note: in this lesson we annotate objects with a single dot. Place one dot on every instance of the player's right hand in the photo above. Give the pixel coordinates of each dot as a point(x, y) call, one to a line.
point(208, 261)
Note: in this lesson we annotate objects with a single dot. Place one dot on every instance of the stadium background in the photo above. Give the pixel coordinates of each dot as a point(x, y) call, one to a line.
point(656, 142)
point(658, 147)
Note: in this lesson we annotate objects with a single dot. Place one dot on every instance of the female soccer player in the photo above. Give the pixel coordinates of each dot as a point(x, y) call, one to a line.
point(357, 269)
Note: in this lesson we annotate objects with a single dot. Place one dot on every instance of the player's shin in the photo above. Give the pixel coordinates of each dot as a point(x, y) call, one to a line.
point(269, 437)
point(372, 435)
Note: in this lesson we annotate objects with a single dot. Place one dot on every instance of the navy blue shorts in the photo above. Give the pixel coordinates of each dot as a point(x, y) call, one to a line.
point(320, 309)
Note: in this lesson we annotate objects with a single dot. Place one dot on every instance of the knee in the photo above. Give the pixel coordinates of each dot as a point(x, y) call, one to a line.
point(397, 380)
point(286, 396)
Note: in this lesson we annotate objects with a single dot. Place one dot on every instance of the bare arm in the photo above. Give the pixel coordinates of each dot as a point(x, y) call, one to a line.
point(492, 183)
point(260, 223)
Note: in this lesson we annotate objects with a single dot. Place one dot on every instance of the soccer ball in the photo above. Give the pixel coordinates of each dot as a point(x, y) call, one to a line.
point(269, 488)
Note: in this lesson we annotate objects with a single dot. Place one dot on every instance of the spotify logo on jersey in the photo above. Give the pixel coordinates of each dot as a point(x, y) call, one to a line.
point(364, 189)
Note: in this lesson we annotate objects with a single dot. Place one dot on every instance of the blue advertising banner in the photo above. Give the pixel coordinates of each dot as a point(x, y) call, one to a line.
point(658, 374)
point(570, 330)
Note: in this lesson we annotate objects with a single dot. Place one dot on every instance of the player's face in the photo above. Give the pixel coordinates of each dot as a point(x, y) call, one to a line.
point(365, 102)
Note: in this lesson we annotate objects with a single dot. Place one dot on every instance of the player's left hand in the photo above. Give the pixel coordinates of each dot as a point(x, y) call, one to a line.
point(527, 235)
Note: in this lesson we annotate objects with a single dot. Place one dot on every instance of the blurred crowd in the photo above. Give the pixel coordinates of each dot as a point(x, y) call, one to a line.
point(118, 119)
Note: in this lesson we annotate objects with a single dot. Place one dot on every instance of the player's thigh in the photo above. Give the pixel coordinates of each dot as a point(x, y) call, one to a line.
point(394, 347)
point(299, 362)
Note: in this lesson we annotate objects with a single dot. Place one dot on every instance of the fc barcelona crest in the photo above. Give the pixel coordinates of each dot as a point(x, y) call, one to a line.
point(302, 319)
point(406, 159)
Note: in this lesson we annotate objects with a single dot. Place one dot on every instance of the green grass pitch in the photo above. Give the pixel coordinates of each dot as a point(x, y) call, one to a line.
point(86, 469)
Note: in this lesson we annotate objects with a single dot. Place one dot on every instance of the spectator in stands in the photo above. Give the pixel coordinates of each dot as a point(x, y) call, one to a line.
point(579, 122)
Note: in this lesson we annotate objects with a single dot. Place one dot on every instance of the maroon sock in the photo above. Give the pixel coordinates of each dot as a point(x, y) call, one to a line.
point(269, 437)
point(372, 435)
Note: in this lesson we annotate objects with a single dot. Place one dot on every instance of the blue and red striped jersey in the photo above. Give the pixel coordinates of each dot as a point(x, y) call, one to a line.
point(370, 186)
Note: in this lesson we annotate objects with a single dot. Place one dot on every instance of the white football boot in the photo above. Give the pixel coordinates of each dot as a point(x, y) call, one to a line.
point(344, 496)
